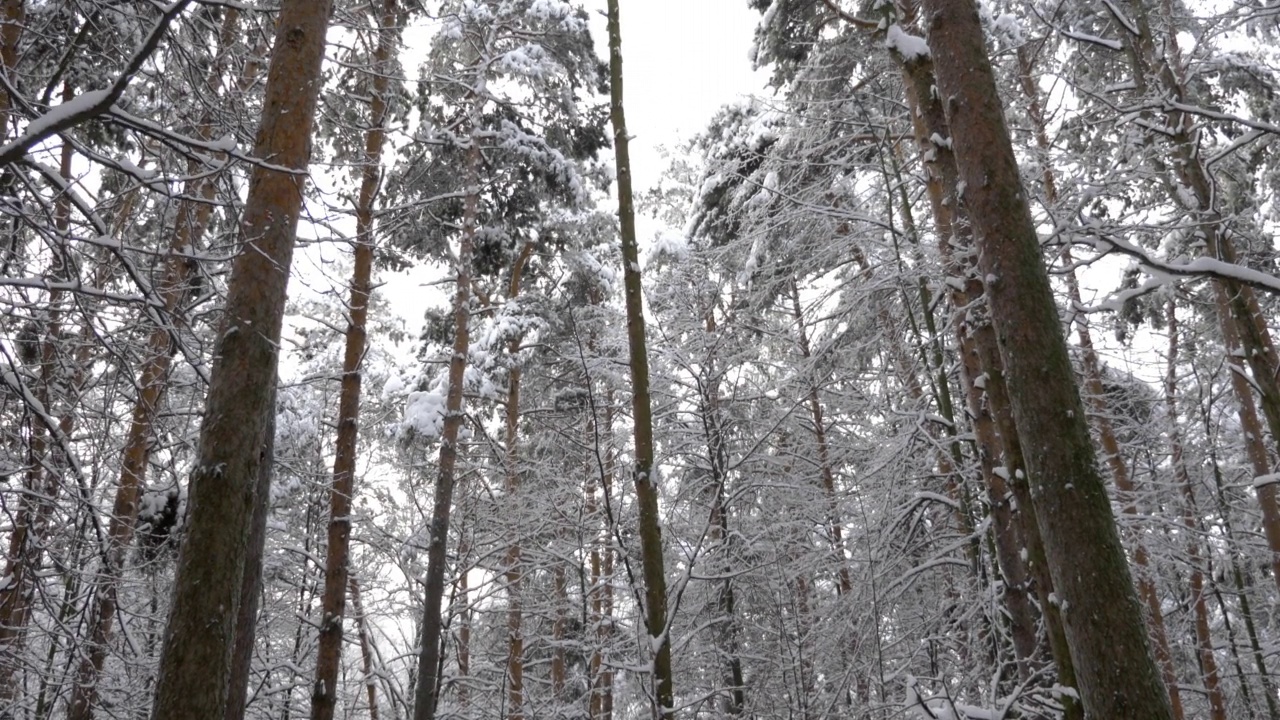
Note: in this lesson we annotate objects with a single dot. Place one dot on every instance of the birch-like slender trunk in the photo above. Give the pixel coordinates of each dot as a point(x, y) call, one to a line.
point(650, 529)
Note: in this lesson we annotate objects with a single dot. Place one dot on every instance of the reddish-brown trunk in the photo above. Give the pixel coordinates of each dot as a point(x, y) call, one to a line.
point(1254, 445)
point(835, 532)
point(426, 695)
point(366, 646)
point(1103, 619)
point(513, 572)
point(971, 328)
point(42, 482)
point(1204, 638)
point(189, 227)
point(195, 662)
point(333, 602)
point(13, 15)
point(251, 584)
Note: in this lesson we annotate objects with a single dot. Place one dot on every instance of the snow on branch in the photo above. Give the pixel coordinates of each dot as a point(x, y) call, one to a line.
point(910, 47)
point(1093, 39)
point(90, 104)
point(1121, 18)
point(1199, 267)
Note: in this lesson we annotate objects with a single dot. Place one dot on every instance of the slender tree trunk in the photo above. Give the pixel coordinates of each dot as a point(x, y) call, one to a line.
point(366, 646)
point(462, 598)
point(511, 482)
point(13, 15)
point(1254, 444)
point(650, 530)
point(42, 481)
point(835, 533)
point(1162, 72)
point(726, 631)
point(426, 695)
point(1104, 626)
point(981, 358)
point(971, 328)
point(195, 662)
point(600, 706)
point(1125, 486)
point(324, 695)
point(1204, 639)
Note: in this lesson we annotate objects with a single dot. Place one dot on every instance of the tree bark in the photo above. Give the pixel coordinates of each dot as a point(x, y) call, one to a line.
point(1254, 444)
point(650, 530)
point(366, 646)
point(1103, 619)
point(251, 583)
point(427, 694)
point(1204, 638)
point(333, 603)
point(195, 662)
point(600, 705)
point(511, 485)
point(189, 227)
point(42, 481)
point(978, 343)
point(13, 16)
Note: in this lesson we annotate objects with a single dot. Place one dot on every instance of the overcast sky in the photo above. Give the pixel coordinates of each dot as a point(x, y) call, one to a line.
point(682, 60)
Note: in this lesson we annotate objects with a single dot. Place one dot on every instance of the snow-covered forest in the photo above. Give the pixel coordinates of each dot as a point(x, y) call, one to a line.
point(344, 372)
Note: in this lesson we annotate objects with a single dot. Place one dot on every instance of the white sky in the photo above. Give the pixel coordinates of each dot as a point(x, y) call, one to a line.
point(681, 61)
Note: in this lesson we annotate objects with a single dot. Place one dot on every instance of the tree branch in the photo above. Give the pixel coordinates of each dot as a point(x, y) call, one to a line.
point(90, 104)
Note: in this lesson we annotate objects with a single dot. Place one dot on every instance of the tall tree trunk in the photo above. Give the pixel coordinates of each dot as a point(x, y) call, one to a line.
point(42, 481)
point(726, 631)
point(324, 695)
point(196, 658)
point(1125, 486)
point(835, 532)
point(251, 583)
point(511, 485)
point(1241, 588)
point(1204, 639)
point(366, 646)
point(650, 530)
point(13, 16)
point(1162, 72)
point(1254, 444)
point(600, 706)
point(978, 344)
point(426, 695)
point(1103, 619)
point(189, 227)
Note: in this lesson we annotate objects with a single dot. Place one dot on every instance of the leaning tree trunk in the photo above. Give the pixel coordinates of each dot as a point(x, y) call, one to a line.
point(192, 219)
point(251, 581)
point(1125, 486)
point(650, 530)
point(195, 664)
point(1117, 675)
point(980, 353)
point(324, 695)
